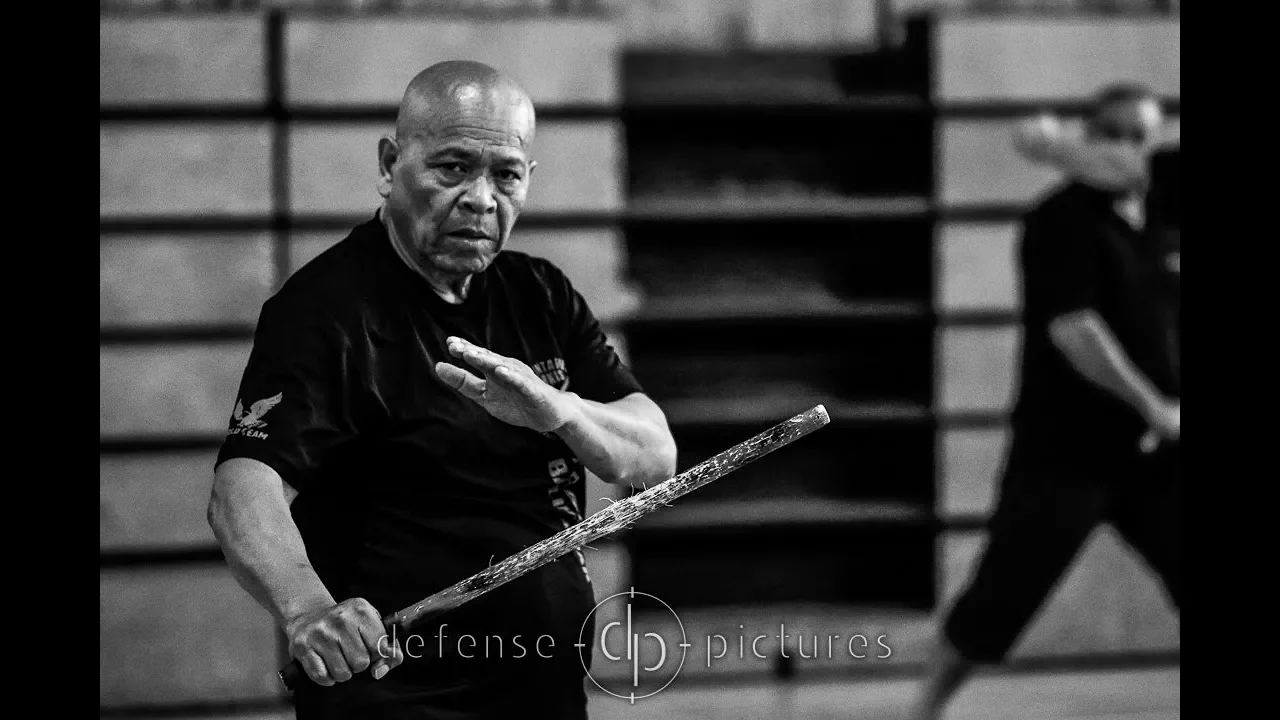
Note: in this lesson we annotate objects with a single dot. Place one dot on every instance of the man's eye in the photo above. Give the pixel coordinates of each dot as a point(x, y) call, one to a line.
point(509, 176)
point(453, 167)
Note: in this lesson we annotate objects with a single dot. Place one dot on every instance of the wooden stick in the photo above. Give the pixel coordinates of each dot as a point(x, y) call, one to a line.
point(616, 517)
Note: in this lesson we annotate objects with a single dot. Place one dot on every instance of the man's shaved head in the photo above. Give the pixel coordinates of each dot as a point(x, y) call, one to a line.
point(448, 89)
point(456, 174)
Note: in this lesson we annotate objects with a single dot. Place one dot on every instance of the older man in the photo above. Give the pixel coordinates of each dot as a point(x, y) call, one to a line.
point(419, 403)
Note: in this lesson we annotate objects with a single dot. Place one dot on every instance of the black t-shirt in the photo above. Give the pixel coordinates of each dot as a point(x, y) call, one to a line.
point(1078, 253)
point(1164, 213)
point(405, 486)
point(1164, 201)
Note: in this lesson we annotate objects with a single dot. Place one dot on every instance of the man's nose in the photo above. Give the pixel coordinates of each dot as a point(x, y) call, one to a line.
point(479, 197)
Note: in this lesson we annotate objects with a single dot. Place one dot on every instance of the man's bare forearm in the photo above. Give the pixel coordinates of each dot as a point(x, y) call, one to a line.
point(249, 514)
point(625, 442)
point(1104, 165)
point(1093, 350)
point(1108, 166)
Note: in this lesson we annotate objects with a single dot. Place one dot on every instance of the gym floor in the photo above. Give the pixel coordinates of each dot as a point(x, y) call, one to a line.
point(1146, 694)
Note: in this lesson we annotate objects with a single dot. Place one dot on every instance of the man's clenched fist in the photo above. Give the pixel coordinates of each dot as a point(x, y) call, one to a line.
point(335, 642)
point(1035, 136)
point(1165, 420)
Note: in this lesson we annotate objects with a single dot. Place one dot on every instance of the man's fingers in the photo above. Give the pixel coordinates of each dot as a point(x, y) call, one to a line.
point(461, 380)
point(1150, 441)
point(457, 346)
point(376, 641)
point(315, 668)
point(374, 636)
point(335, 660)
point(480, 358)
point(518, 382)
point(485, 362)
point(392, 658)
point(353, 649)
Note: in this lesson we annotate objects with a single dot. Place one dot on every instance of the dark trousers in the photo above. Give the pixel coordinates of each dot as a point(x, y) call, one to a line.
point(363, 698)
point(551, 690)
point(1043, 518)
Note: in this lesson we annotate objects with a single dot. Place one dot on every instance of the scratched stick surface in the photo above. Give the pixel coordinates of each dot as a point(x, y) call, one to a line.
point(619, 515)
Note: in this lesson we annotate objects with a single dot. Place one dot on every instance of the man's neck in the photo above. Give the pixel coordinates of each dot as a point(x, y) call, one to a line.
point(451, 288)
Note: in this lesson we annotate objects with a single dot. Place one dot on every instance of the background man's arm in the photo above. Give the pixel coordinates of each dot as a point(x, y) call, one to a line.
point(1063, 283)
point(1093, 350)
point(1104, 165)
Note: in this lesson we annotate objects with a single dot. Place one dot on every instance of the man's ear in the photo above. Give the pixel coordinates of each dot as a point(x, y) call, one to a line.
point(533, 165)
point(388, 154)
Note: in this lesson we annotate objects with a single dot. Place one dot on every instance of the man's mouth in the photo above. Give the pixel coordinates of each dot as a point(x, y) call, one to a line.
point(470, 234)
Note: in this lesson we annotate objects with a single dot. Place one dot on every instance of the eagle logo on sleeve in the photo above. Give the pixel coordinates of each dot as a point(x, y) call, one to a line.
point(249, 423)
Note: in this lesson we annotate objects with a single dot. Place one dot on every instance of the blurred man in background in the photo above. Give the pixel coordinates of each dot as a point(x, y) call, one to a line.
point(1099, 370)
point(419, 403)
point(1113, 165)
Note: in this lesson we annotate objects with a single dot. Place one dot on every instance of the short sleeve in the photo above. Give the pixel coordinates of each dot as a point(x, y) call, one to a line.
point(290, 411)
point(595, 370)
point(1059, 268)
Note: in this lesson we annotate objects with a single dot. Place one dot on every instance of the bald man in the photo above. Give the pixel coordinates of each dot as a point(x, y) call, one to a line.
point(419, 403)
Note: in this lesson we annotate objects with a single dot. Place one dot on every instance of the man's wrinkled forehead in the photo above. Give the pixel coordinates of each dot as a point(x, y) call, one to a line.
point(476, 133)
point(472, 144)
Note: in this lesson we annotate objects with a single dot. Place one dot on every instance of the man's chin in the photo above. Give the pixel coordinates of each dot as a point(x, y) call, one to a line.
point(463, 262)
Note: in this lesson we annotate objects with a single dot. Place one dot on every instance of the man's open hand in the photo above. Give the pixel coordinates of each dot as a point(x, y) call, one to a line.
point(507, 388)
point(333, 643)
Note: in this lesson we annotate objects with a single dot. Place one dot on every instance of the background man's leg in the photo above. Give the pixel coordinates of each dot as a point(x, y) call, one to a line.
point(1148, 515)
point(1040, 525)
